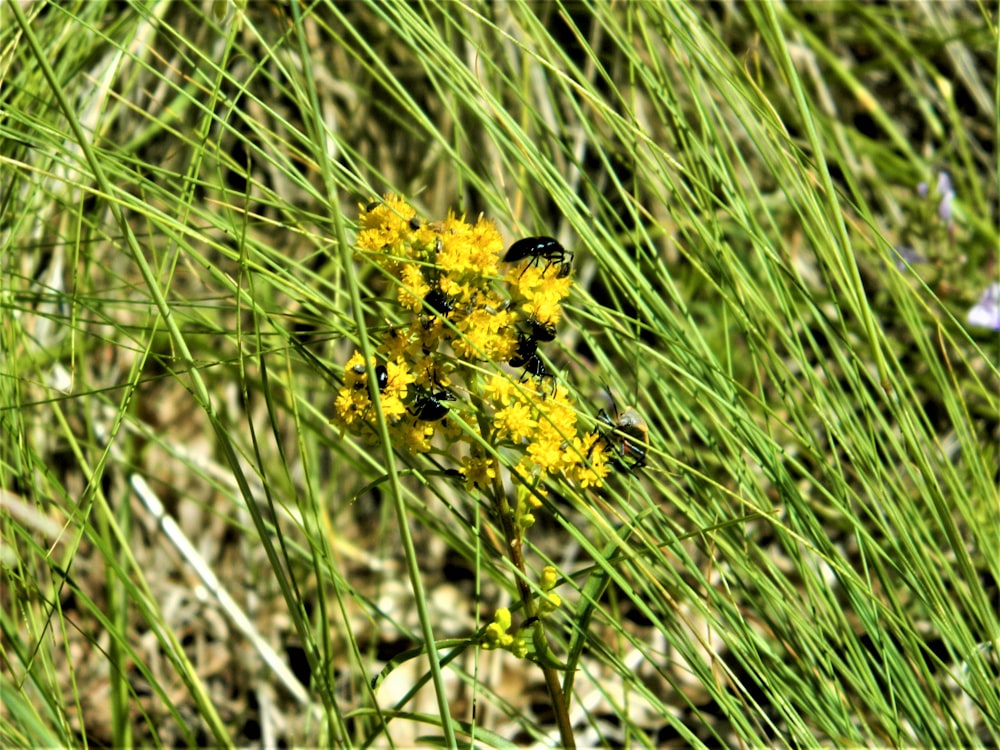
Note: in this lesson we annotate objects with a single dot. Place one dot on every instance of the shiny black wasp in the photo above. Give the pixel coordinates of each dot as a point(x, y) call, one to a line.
point(439, 302)
point(526, 354)
point(538, 249)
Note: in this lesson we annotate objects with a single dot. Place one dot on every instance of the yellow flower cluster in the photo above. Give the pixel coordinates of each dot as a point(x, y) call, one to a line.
point(444, 371)
point(497, 635)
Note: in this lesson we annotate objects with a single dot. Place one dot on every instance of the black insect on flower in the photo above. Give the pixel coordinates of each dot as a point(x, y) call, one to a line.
point(540, 331)
point(381, 377)
point(527, 358)
point(529, 336)
point(428, 406)
point(439, 302)
point(628, 436)
point(538, 249)
point(530, 333)
point(527, 346)
point(533, 366)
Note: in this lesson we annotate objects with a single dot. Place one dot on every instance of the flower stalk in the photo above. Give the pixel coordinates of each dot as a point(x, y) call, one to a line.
point(462, 375)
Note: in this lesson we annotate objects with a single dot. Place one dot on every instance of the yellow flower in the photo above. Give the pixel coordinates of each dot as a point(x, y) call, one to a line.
point(392, 212)
point(400, 345)
point(592, 448)
point(515, 422)
point(496, 635)
point(431, 372)
point(559, 412)
point(479, 336)
point(546, 453)
point(355, 373)
point(451, 430)
point(543, 298)
point(499, 388)
point(548, 604)
point(519, 648)
point(415, 435)
point(548, 579)
point(479, 472)
point(349, 406)
point(528, 497)
point(467, 307)
point(412, 288)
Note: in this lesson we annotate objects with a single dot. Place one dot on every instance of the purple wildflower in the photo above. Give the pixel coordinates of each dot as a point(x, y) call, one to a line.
point(986, 312)
point(906, 255)
point(944, 207)
point(947, 193)
point(944, 183)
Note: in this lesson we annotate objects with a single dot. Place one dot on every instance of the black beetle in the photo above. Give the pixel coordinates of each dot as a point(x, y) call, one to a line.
point(427, 405)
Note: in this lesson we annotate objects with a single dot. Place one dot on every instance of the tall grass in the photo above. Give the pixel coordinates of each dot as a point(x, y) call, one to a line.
point(191, 553)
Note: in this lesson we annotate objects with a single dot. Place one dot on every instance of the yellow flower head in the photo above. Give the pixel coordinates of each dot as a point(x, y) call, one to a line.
point(470, 357)
point(480, 471)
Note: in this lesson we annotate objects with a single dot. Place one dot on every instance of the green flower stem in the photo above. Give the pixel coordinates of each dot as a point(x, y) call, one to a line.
point(515, 549)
